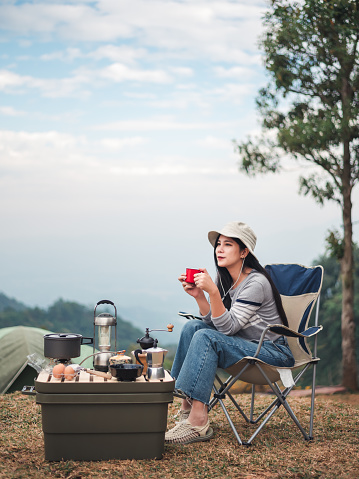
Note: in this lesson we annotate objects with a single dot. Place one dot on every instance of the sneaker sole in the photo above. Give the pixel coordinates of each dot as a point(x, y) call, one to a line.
point(207, 437)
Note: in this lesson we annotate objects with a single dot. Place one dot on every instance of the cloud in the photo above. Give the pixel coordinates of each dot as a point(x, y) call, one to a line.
point(215, 142)
point(118, 72)
point(221, 30)
point(238, 72)
point(48, 87)
point(157, 43)
point(171, 170)
point(140, 95)
point(81, 81)
point(114, 53)
point(233, 92)
point(30, 154)
point(122, 53)
point(120, 143)
point(10, 79)
point(23, 150)
point(10, 111)
point(182, 99)
point(163, 124)
point(183, 71)
point(58, 157)
point(69, 54)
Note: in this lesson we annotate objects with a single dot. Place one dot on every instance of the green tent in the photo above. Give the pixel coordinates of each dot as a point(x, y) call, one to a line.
point(18, 342)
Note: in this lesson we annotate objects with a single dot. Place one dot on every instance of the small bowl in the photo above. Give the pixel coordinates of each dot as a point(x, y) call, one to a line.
point(126, 372)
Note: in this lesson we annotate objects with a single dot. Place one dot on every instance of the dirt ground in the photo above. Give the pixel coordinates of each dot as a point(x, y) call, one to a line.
point(352, 399)
point(278, 452)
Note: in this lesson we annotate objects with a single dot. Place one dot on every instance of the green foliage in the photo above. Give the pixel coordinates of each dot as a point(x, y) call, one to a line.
point(335, 244)
point(329, 371)
point(10, 303)
point(311, 103)
point(321, 193)
point(66, 316)
point(259, 157)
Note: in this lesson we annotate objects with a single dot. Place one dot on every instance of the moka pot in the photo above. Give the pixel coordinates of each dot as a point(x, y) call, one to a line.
point(155, 358)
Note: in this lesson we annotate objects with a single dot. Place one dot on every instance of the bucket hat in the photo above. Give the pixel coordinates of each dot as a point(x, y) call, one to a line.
point(236, 229)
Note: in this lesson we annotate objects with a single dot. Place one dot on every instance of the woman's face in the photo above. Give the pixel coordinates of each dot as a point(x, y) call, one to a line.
point(228, 252)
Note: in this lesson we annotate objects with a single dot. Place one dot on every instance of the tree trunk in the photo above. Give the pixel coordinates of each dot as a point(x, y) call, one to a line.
point(349, 378)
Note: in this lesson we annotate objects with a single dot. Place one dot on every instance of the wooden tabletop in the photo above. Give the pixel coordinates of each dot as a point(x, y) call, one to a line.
point(85, 377)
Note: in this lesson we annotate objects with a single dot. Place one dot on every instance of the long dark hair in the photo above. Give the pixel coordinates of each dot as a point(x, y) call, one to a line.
point(226, 281)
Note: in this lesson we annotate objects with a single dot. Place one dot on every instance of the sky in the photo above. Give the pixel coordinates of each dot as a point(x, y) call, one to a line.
point(116, 154)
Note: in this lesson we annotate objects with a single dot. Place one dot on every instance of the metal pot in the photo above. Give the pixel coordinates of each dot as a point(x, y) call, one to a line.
point(155, 358)
point(64, 345)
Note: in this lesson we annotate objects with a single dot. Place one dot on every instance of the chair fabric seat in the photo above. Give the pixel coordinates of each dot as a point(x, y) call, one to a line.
point(253, 376)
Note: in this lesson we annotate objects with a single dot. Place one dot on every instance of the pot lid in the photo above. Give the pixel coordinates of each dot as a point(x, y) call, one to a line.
point(62, 336)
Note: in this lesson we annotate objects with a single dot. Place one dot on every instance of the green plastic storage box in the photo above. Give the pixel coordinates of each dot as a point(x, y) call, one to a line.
point(100, 420)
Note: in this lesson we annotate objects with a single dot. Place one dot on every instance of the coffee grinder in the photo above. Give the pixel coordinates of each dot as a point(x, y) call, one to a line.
point(151, 356)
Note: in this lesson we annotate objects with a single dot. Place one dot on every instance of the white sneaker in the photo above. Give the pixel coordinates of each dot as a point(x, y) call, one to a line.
point(185, 433)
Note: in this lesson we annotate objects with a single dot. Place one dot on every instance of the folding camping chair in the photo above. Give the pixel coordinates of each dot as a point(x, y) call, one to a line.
point(299, 287)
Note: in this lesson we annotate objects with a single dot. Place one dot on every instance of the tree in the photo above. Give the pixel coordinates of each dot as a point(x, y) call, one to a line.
point(310, 112)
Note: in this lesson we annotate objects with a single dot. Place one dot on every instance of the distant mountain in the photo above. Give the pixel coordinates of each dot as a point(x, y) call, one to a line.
point(62, 317)
point(71, 317)
point(10, 303)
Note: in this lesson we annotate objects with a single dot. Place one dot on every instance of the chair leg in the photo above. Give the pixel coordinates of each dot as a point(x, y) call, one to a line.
point(237, 406)
point(312, 403)
point(262, 415)
point(260, 427)
point(226, 386)
point(222, 387)
point(254, 421)
point(265, 416)
point(228, 417)
point(283, 401)
point(252, 403)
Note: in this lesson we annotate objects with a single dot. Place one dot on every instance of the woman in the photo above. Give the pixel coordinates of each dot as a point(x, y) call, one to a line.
point(240, 305)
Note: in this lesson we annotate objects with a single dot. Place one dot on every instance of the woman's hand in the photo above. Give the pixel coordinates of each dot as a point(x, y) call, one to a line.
point(190, 288)
point(197, 292)
point(204, 282)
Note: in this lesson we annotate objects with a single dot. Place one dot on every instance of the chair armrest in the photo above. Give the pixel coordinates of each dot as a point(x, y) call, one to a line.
point(264, 332)
point(285, 331)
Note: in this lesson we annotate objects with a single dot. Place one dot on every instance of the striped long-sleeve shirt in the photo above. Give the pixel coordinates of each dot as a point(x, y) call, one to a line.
point(252, 309)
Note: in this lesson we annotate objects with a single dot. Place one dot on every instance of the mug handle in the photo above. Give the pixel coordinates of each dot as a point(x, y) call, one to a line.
point(136, 352)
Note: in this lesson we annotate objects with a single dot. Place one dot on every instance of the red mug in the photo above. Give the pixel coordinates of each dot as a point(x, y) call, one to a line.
point(190, 274)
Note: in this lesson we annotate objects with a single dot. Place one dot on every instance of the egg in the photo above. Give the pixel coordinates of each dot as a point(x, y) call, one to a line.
point(69, 373)
point(58, 371)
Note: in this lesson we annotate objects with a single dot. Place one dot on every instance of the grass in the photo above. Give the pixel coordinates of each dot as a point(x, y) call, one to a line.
point(279, 452)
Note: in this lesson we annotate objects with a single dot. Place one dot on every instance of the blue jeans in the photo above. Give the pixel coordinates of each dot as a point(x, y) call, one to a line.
point(202, 349)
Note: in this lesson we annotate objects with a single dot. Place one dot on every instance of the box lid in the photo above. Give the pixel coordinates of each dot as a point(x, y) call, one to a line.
point(89, 384)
